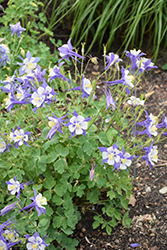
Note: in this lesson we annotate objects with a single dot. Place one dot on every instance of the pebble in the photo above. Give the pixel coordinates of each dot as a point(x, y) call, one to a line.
point(83, 230)
point(148, 189)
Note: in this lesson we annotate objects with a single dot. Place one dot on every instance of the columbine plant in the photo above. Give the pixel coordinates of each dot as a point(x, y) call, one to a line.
point(72, 143)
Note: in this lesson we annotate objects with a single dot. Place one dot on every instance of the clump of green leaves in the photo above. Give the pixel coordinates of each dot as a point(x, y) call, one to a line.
point(65, 157)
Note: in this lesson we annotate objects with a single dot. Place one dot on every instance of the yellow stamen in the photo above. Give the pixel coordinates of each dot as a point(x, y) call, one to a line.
point(18, 95)
point(42, 200)
point(13, 186)
point(110, 156)
point(35, 246)
point(10, 236)
point(123, 160)
point(88, 85)
point(155, 157)
point(1, 145)
point(78, 126)
point(52, 124)
point(153, 128)
point(19, 136)
point(30, 66)
point(36, 99)
point(131, 78)
point(2, 248)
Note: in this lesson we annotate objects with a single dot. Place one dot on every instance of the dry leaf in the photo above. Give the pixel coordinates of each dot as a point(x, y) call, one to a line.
point(149, 94)
point(132, 201)
point(95, 73)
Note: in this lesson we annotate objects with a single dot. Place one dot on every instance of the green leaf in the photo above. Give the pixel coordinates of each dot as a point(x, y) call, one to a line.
point(43, 222)
point(42, 162)
point(60, 189)
point(87, 148)
point(124, 201)
point(103, 139)
point(52, 157)
point(60, 166)
point(49, 182)
point(64, 152)
point(57, 199)
point(110, 134)
point(92, 195)
point(47, 194)
point(95, 224)
point(57, 221)
point(108, 229)
point(164, 67)
point(126, 221)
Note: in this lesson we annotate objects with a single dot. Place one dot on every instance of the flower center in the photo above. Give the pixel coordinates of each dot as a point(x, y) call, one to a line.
point(19, 137)
point(123, 160)
point(88, 85)
point(153, 128)
point(130, 78)
point(30, 66)
point(42, 201)
point(78, 126)
point(110, 156)
point(2, 248)
point(18, 95)
point(10, 236)
point(1, 145)
point(52, 123)
point(35, 246)
point(36, 99)
point(13, 186)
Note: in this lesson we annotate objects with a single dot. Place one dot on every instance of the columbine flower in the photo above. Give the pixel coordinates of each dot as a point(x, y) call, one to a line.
point(11, 235)
point(134, 56)
point(29, 64)
point(151, 155)
point(86, 86)
point(66, 51)
point(4, 50)
point(42, 95)
point(164, 123)
point(16, 29)
point(38, 202)
point(135, 245)
point(111, 155)
point(14, 186)
point(78, 124)
point(145, 64)
point(126, 80)
point(55, 73)
point(109, 99)
point(111, 60)
point(55, 124)
point(35, 242)
point(125, 160)
point(19, 137)
point(3, 146)
point(135, 101)
point(4, 245)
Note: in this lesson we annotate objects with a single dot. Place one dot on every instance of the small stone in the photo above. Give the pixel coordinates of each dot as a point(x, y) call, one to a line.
point(83, 230)
point(163, 190)
point(148, 189)
point(117, 241)
point(81, 235)
point(135, 188)
point(152, 234)
point(104, 234)
point(143, 192)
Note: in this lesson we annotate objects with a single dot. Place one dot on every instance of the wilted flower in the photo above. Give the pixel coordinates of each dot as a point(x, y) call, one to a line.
point(35, 242)
point(134, 56)
point(78, 124)
point(66, 51)
point(16, 29)
point(135, 245)
point(4, 50)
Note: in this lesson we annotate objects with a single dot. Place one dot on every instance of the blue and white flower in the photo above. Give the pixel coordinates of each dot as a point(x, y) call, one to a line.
point(134, 101)
point(111, 155)
point(78, 124)
point(35, 242)
point(29, 64)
